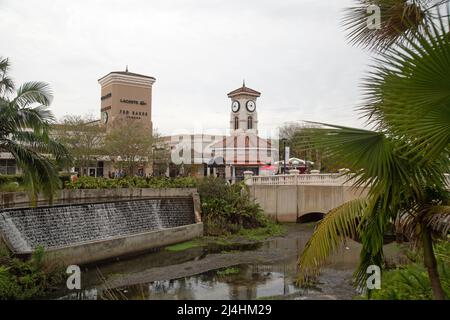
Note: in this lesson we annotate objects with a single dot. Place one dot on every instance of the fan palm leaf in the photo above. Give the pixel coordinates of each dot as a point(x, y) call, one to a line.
point(399, 19)
point(339, 224)
point(408, 92)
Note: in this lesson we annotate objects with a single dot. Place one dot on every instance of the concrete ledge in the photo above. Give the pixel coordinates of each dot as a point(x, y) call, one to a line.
point(84, 253)
point(10, 199)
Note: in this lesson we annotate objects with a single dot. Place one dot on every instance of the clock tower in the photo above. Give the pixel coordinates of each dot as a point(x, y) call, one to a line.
point(243, 115)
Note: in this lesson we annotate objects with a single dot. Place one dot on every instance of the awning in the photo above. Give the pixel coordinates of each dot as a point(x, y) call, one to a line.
point(216, 162)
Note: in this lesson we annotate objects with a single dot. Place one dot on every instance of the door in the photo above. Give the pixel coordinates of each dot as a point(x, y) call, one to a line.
point(92, 172)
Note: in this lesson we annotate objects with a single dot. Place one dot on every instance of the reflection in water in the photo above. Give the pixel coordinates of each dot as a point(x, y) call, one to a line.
point(245, 281)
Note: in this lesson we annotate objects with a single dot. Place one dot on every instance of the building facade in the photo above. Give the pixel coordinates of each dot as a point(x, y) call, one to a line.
point(126, 95)
point(230, 155)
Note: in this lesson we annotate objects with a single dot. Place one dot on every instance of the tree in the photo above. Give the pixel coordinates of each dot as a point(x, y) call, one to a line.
point(402, 160)
point(24, 132)
point(131, 143)
point(83, 137)
point(300, 147)
point(160, 155)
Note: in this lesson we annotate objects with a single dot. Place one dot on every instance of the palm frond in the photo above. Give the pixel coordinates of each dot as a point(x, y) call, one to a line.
point(339, 224)
point(376, 160)
point(39, 172)
point(43, 144)
point(31, 93)
point(408, 92)
point(6, 83)
point(398, 20)
point(438, 219)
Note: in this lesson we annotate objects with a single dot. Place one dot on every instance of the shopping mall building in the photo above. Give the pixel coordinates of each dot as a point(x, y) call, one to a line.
point(128, 96)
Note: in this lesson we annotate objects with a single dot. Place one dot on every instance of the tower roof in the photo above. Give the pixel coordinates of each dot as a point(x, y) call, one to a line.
point(127, 73)
point(244, 91)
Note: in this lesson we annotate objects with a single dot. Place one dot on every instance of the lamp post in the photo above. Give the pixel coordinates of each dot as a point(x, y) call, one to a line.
point(284, 156)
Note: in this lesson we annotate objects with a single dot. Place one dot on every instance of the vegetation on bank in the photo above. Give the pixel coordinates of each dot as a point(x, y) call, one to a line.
point(227, 209)
point(184, 246)
point(228, 271)
point(30, 279)
point(411, 282)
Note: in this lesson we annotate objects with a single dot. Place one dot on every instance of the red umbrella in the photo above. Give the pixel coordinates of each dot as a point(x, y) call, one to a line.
point(268, 167)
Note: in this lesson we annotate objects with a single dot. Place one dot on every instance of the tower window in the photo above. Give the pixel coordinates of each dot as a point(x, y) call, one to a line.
point(236, 123)
point(250, 123)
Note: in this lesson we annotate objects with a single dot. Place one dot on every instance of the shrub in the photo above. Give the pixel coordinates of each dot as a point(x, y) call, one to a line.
point(87, 182)
point(11, 187)
point(411, 282)
point(10, 178)
point(228, 208)
point(27, 279)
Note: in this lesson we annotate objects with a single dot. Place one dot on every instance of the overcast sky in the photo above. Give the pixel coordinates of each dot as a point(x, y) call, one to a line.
point(293, 51)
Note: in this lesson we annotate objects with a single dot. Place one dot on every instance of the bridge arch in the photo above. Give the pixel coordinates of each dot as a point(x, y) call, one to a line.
point(310, 217)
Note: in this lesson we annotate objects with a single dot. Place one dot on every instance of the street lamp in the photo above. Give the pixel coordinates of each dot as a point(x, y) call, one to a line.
point(284, 140)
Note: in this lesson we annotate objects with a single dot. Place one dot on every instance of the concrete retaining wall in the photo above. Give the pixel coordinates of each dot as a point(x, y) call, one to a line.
point(88, 252)
point(11, 199)
point(287, 203)
point(120, 246)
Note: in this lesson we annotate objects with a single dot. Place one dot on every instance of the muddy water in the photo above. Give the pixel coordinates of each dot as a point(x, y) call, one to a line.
point(252, 271)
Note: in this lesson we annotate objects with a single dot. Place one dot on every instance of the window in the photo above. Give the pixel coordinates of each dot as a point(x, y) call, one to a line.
point(7, 166)
point(236, 123)
point(250, 123)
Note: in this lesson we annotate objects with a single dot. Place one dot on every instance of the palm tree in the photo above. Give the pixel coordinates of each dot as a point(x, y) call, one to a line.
point(399, 19)
point(401, 161)
point(24, 132)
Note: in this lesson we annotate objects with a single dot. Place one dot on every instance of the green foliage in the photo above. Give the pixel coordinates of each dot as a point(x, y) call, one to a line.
point(183, 246)
point(25, 132)
point(17, 183)
point(27, 279)
point(10, 178)
point(271, 229)
point(131, 182)
point(228, 272)
point(227, 209)
point(411, 282)
point(406, 104)
point(11, 187)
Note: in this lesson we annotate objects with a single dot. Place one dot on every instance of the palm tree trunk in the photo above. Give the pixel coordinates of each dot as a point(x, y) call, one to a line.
point(431, 264)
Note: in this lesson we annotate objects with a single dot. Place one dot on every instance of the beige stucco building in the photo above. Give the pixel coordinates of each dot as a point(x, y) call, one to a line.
point(126, 95)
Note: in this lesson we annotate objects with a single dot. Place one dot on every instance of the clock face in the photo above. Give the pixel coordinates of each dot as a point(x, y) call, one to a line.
point(251, 105)
point(105, 117)
point(235, 106)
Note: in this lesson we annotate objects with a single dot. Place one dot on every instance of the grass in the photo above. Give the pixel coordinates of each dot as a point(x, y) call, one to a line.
point(272, 229)
point(259, 234)
point(184, 246)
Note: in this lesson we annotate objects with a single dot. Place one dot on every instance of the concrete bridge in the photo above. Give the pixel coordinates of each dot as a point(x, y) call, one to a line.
point(303, 198)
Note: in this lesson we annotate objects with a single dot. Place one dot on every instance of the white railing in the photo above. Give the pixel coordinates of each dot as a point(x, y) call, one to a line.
point(327, 179)
point(331, 179)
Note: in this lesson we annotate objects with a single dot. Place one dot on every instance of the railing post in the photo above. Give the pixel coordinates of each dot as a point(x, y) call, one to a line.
point(248, 177)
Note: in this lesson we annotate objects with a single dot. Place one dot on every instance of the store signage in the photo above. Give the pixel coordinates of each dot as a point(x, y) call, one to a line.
point(142, 103)
point(106, 96)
